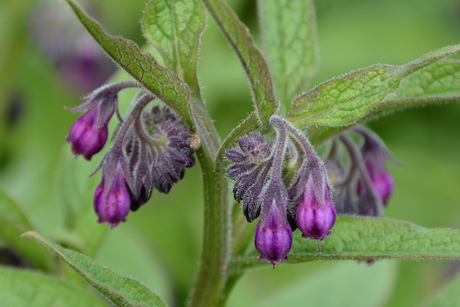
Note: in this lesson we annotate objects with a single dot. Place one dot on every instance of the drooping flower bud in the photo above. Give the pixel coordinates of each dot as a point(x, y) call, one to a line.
point(273, 236)
point(112, 203)
point(315, 217)
point(85, 137)
point(374, 155)
point(89, 133)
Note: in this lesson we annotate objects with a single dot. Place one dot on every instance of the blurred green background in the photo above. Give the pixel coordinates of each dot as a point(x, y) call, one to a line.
point(160, 244)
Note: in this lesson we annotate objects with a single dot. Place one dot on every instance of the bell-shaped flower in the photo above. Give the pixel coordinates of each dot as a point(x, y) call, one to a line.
point(112, 203)
point(315, 214)
point(89, 133)
point(273, 236)
point(86, 137)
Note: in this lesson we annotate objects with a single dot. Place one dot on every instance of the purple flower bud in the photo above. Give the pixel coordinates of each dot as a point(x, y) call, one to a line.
point(315, 217)
point(85, 136)
point(374, 155)
point(273, 237)
point(112, 206)
point(382, 181)
point(88, 134)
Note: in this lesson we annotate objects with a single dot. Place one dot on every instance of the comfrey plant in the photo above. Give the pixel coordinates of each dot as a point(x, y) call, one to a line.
point(296, 162)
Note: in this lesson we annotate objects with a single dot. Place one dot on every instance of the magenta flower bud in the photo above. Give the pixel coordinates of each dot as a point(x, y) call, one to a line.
point(315, 217)
point(375, 155)
point(85, 136)
point(382, 181)
point(273, 237)
point(112, 206)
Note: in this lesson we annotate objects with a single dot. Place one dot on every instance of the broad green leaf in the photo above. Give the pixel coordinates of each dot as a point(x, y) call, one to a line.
point(435, 84)
point(121, 291)
point(174, 28)
point(20, 288)
point(141, 66)
point(344, 101)
point(362, 238)
point(13, 223)
point(289, 30)
point(250, 56)
point(450, 297)
point(76, 190)
point(374, 284)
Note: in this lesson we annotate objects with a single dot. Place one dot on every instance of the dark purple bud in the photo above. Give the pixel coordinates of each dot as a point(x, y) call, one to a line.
point(85, 136)
point(253, 148)
point(315, 217)
point(236, 170)
point(273, 237)
point(112, 207)
point(158, 151)
point(236, 155)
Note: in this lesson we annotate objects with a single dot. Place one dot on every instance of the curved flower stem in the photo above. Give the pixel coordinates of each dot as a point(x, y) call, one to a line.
point(132, 116)
point(356, 157)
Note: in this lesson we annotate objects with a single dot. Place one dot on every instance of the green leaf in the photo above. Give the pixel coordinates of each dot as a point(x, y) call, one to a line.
point(373, 284)
point(122, 291)
point(362, 238)
point(435, 84)
point(450, 297)
point(76, 190)
point(13, 223)
point(143, 67)
point(344, 101)
point(21, 288)
point(251, 58)
point(289, 29)
point(174, 29)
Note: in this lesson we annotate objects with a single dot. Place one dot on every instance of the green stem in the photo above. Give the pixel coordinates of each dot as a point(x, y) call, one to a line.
point(216, 239)
point(229, 285)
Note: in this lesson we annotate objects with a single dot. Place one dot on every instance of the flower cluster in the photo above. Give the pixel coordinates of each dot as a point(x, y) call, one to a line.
point(365, 186)
point(285, 183)
point(150, 150)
